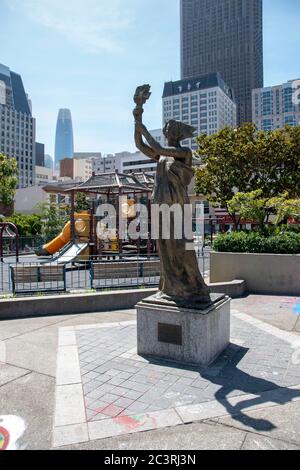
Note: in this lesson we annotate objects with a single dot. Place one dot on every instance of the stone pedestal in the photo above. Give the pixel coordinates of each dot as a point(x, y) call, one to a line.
point(181, 334)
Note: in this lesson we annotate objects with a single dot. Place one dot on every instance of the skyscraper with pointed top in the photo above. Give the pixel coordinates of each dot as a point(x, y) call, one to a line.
point(64, 142)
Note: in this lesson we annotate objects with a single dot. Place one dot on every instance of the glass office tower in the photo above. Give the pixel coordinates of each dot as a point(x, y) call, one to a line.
point(64, 144)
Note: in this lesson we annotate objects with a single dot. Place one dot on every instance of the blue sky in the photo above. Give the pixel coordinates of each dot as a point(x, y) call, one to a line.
point(89, 55)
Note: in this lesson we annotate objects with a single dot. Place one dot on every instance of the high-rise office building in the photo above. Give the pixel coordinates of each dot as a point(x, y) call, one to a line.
point(205, 103)
point(276, 106)
point(17, 129)
point(64, 145)
point(39, 154)
point(224, 36)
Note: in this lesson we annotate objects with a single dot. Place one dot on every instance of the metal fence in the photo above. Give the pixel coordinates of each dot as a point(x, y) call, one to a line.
point(33, 278)
point(26, 245)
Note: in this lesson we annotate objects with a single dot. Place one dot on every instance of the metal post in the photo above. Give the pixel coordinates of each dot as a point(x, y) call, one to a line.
point(72, 216)
point(17, 246)
point(120, 244)
point(91, 241)
point(149, 229)
point(1, 243)
point(96, 248)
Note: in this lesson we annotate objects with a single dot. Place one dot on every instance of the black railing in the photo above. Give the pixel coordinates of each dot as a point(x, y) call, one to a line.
point(37, 278)
point(27, 245)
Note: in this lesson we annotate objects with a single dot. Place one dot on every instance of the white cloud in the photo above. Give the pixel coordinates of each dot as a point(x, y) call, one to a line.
point(94, 25)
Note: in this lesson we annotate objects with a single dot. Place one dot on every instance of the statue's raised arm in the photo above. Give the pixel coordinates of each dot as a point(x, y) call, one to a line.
point(142, 94)
point(174, 132)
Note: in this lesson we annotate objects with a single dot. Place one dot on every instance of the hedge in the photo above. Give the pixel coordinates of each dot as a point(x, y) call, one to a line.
point(253, 242)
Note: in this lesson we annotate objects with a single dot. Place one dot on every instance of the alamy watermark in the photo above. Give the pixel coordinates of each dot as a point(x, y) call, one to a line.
point(296, 92)
point(160, 221)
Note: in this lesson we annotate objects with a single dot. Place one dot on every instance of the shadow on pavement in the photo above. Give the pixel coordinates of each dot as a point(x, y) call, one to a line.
point(225, 372)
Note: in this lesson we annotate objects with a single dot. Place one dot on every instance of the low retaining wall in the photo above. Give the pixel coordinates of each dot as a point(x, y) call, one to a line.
point(234, 289)
point(263, 273)
point(24, 307)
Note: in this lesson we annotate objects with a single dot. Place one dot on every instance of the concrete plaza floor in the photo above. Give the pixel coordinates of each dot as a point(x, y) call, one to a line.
point(76, 382)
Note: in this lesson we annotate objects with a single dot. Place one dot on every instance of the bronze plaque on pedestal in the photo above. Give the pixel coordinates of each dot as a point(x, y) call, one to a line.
point(171, 334)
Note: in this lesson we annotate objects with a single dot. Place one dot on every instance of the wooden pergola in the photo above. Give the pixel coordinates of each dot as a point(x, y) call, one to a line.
point(114, 185)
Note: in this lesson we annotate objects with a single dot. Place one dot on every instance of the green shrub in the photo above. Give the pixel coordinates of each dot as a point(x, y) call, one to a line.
point(28, 225)
point(286, 242)
point(291, 228)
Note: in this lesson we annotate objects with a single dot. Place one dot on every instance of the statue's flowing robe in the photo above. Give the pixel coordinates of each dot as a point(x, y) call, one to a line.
point(180, 276)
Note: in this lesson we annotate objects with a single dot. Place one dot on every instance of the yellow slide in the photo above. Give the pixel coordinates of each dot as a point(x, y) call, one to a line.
point(61, 240)
point(82, 229)
point(58, 242)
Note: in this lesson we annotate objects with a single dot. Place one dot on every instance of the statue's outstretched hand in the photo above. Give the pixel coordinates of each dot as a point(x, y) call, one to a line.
point(142, 94)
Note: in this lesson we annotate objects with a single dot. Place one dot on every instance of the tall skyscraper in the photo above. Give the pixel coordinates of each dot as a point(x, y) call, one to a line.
point(17, 126)
point(224, 36)
point(39, 154)
point(64, 145)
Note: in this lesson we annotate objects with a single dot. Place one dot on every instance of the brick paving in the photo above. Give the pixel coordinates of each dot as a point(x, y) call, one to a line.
point(118, 383)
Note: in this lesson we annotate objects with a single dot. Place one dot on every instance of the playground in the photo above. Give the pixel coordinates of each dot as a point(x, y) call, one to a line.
point(91, 252)
point(88, 253)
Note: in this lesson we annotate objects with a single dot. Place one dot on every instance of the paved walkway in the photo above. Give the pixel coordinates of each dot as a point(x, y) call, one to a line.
point(76, 381)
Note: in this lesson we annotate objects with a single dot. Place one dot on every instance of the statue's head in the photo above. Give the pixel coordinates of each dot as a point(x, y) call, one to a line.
point(176, 130)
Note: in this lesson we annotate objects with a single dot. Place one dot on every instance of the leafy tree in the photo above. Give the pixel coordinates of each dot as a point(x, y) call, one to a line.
point(284, 208)
point(255, 207)
point(8, 179)
point(245, 160)
point(249, 206)
point(227, 166)
point(53, 218)
point(276, 167)
point(28, 225)
point(81, 202)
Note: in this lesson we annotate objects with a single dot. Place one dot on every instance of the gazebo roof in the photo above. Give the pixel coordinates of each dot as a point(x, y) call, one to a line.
point(115, 182)
point(146, 178)
point(59, 186)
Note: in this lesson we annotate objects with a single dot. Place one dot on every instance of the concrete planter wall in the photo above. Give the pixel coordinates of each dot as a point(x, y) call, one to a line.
point(23, 307)
point(263, 273)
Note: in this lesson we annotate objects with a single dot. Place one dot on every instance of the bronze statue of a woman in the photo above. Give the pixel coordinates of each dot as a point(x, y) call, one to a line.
point(181, 281)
